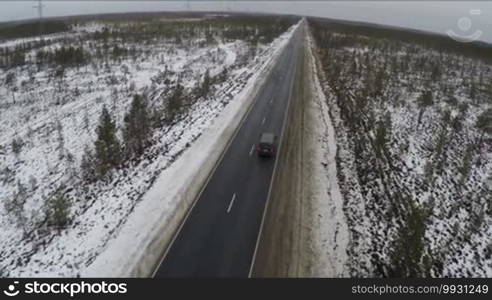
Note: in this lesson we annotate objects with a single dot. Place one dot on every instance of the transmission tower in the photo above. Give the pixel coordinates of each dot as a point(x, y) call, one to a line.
point(40, 6)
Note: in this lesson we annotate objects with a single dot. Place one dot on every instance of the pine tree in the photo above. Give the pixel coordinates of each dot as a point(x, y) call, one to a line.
point(11, 83)
point(473, 91)
point(174, 104)
point(15, 205)
point(408, 258)
point(137, 127)
point(88, 165)
point(60, 138)
point(466, 163)
point(86, 119)
point(439, 150)
point(17, 145)
point(59, 210)
point(429, 170)
point(484, 123)
point(436, 72)
point(425, 100)
point(383, 134)
point(380, 139)
point(107, 145)
point(379, 80)
point(223, 75)
point(206, 83)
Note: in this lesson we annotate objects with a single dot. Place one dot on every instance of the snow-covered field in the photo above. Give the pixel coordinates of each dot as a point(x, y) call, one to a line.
point(414, 173)
point(52, 117)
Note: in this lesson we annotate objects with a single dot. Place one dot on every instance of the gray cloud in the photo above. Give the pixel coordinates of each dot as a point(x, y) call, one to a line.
point(439, 16)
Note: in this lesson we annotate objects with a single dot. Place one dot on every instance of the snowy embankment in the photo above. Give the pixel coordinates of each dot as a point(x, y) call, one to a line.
point(145, 235)
point(330, 231)
point(353, 204)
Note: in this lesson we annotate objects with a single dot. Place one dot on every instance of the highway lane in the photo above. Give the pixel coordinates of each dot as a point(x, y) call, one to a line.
point(219, 236)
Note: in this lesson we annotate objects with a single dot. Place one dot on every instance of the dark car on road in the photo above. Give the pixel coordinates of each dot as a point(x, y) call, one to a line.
point(266, 147)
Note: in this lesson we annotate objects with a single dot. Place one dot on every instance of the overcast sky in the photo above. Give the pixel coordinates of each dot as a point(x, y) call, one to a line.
point(463, 18)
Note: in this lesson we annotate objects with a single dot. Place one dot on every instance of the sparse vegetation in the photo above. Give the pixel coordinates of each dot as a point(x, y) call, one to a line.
point(92, 114)
point(409, 117)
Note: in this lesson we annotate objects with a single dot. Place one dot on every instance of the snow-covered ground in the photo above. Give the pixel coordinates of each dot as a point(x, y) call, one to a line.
point(54, 119)
point(407, 182)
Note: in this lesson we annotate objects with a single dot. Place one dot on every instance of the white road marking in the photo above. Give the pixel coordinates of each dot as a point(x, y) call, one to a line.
point(271, 101)
point(265, 209)
point(231, 203)
point(263, 121)
point(252, 150)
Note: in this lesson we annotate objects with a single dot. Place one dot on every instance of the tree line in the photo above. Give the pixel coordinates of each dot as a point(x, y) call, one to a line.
point(109, 151)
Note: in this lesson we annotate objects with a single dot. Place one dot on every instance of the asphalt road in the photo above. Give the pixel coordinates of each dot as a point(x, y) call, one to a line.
point(219, 236)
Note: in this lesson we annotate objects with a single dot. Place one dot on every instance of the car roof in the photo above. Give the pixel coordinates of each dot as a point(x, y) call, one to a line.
point(267, 137)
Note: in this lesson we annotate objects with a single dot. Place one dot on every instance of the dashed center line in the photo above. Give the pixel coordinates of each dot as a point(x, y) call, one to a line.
point(231, 203)
point(263, 121)
point(252, 150)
